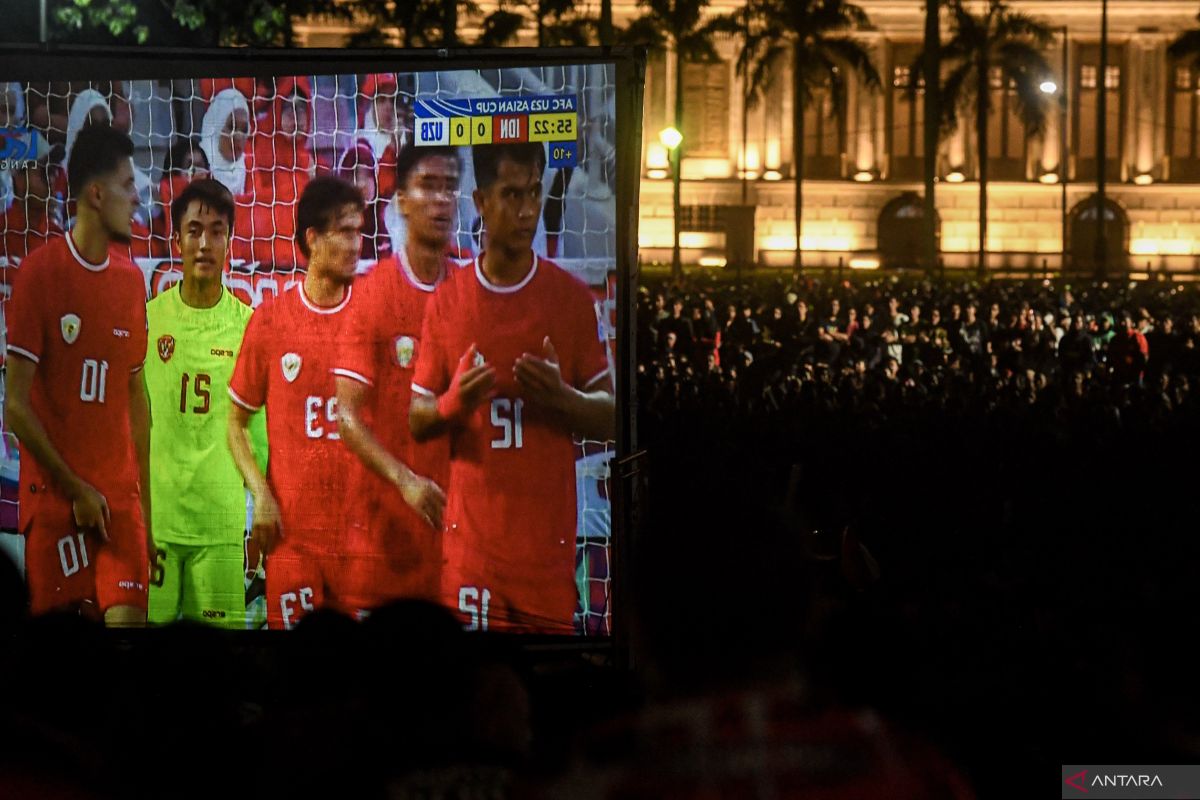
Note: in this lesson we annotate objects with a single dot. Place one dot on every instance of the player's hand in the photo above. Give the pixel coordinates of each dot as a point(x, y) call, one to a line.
point(264, 526)
point(470, 386)
point(91, 510)
point(541, 377)
point(424, 497)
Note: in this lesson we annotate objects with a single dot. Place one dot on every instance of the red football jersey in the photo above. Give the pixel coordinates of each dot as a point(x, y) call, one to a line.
point(284, 364)
point(381, 347)
point(512, 470)
point(84, 325)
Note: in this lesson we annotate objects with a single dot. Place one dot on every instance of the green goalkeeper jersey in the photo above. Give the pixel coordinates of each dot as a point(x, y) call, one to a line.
point(197, 494)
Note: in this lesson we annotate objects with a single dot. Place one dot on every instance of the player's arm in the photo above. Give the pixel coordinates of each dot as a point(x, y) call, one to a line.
point(431, 415)
point(90, 507)
point(264, 527)
point(589, 412)
point(423, 495)
point(139, 425)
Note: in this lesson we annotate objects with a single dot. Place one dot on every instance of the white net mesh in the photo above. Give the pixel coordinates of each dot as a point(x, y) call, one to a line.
point(264, 139)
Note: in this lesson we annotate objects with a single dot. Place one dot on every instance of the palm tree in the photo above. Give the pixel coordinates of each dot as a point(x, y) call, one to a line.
point(810, 30)
point(1003, 39)
point(677, 25)
point(605, 22)
point(933, 112)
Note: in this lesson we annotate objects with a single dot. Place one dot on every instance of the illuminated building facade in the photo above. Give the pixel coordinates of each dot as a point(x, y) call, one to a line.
point(863, 163)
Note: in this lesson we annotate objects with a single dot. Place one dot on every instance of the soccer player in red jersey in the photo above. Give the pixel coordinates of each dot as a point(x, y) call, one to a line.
point(76, 400)
point(511, 368)
point(300, 505)
point(374, 380)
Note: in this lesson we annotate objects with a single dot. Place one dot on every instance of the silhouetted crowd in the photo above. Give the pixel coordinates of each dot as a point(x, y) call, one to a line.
point(894, 539)
point(1108, 354)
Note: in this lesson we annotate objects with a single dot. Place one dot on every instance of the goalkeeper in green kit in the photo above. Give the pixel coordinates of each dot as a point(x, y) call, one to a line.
point(198, 500)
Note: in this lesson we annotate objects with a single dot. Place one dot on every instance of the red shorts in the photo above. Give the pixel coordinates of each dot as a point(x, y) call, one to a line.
point(393, 556)
point(67, 568)
point(300, 581)
point(507, 592)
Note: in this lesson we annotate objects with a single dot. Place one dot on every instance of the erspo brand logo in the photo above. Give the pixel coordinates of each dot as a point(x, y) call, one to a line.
point(19, 148)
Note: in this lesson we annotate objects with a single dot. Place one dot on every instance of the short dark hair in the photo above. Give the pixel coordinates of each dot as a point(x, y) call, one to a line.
point(181, 149)
point(486, 159)
point(411, 156)
point(319, 204)
point(99, 149)
point(208, 192)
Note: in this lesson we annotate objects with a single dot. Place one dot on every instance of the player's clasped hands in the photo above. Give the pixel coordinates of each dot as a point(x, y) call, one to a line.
point(541, 378)
point(91, 510)
point(471, 385)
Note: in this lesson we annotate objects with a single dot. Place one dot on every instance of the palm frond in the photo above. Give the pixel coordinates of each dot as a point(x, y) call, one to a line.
point(1017, 25)
point(499, 28)
point(856, 57)
point(763, 73)
point(1186, 48)
point(958, 91)
point(646, 31)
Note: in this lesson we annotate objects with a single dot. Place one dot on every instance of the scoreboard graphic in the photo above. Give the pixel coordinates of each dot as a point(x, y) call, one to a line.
point(553, 119)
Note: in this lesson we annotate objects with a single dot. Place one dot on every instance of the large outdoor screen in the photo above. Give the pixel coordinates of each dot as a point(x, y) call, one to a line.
point(474, 337)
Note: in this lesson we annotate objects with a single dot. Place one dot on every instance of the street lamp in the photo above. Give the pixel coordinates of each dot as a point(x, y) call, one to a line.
point(671, 138)
point(1048, 86)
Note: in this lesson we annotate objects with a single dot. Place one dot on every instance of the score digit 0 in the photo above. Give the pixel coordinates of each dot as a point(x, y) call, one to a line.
point(460, 131)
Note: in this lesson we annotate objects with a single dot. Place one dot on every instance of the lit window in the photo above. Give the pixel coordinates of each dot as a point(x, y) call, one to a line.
point(1087, 76)
point(901, 77)
point(1183, 78)
point(1112, 77)
point(995, 78)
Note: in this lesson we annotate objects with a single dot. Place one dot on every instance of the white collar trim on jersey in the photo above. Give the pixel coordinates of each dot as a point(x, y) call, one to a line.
point(406, 267)
point(491, 287)
point(83, 261)
point(316, 309)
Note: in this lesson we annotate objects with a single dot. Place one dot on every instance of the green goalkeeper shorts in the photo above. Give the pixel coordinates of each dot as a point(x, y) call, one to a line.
point(198, 583)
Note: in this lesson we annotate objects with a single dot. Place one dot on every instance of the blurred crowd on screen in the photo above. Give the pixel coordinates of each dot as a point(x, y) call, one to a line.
point(257, 137)
point(1116, 353)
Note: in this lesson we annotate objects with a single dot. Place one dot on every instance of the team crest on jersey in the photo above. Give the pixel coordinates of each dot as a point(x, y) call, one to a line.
point(406, 350)
point(166, 347)
point(291, 366)
point(70, 327)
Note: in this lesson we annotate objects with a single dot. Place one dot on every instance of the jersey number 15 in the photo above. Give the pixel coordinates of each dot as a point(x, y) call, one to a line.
point(200, 389)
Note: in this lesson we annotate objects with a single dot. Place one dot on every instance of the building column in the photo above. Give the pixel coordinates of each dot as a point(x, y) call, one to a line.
point(1143, 94)
point(879, 106)
point(862, 119)
point(1052, 157)
point(956, 148)
point(778, 96)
